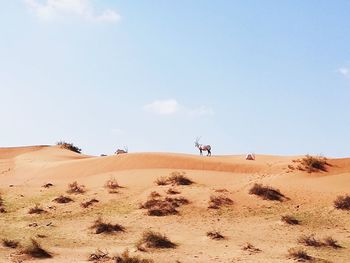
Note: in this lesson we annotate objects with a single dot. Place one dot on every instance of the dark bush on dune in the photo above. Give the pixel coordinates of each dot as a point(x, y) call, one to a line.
point(35, 250)
point(299, 254)
point(10, 243)
point(63, 199)
point(102, 227)
point(175, 178)
point(75, 188)
point(290, 220)
point(89, 203)
point(312, 164)
point(266, 192)
point(36, 210)
point(216, 202)
point(152, 239)
point(126, 258)
point(342, 202)
point(215, 235)
point(69, 146)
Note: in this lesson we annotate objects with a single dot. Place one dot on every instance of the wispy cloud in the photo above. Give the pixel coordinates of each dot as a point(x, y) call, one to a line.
point(172, 106)
point(56, 9)
point(344, 71)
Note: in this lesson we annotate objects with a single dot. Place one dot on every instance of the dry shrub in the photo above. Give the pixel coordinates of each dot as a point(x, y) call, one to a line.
point(151, 239)
point(222, 190)
point(299, 254)
point(102, 227)
point(217, 202)
point(290, 220)
point(48, 185)
point(331, 242)
point(154, 194)
point(2, 209)
point(112, 186)
point(312, 164)
point(99, 255)
point(172, 191)
point(89, 203)
point(75, 188)
point(162, 207)
point(35, 250)
point(249, 247)
point(309, 240)
point(215, 235)
point(10, 243)
point(126, 258)
point(69, 146)
point(267, 192)
point(342, 202)
point(63, 199)
point(175, 178)
point(36, 210)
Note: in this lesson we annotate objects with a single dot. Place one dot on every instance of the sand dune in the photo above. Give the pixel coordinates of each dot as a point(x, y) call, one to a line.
point(310, 198)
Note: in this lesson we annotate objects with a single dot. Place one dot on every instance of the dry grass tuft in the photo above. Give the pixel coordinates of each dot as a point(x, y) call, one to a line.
point(249, 247)
point(290, 220)
point(172, 191)
point(35, 250)
point(215, 235)
point(63, 199)
point(10, 243)
point(89, 203)
point(36, 210)
point(267, 192)
point(152, 239)
point(99, 255)
point(331, 242)
point(217, 202)
point(312, 164)
point(2, 209)
point(299, 254)
point(342, 202)
point(154, 194)
point(75, 188)
point(102, 227)
point(112, 186)
point(48, 185)
point(309, 240)
point(69, 146)
point(175, 178)
point(126, 258)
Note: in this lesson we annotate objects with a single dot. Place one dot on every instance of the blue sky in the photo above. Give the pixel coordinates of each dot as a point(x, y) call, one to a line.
point(269, 77)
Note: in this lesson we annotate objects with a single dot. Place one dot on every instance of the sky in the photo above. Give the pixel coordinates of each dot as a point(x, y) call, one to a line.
point(269, 77)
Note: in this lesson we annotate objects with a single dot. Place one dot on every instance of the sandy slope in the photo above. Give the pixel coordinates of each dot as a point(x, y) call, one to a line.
point(24, 170)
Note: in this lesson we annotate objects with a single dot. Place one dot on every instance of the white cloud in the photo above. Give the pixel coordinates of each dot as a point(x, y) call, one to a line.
point(344, 71)
point(171, 107)
point(56, 9)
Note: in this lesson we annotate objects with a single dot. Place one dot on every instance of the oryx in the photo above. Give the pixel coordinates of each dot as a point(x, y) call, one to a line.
point(202, 147)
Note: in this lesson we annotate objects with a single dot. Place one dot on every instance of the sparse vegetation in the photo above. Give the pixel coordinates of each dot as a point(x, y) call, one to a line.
point(216, 202)
point(36, 210)
point(99, 255)
point(175, 178)
point(249, 247)
point(126, 258)
point(172, 191)
point(35, 250)
point(10, 243)
point(89, 203)
point(215, 235)
point(112, 186)
point(290, 220)
point(102, 227)
point(342, 202)
point(2, 209)
point(69, 146)
point(152, 239)
point(312, 164)
point(75, 188)
point(299, 254)
point(331, 242)
point(309, 240)
point(267, 192)
point(47, 185)
point(162, 207)
point(62, 199)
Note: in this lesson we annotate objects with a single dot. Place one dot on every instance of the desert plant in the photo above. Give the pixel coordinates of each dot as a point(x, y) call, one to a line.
point(36, 210)
point(309, 240)
point(126, 258)
point(172, 191)
point(2, 209)
point(179, 178)
point(99, 255)
point(299, 254)
point(89, 203)
point(69, 146)
point(342, 202)
point(289, 220)
point(215, 235)
point(35, 250)
point(216, 202)
point(47, 185)
point(331, 242)
point(10, 243)
point(154, 194)
point(112, 185)
point(249, 247)
point(313, 164)
point(151, 239)
point(62, 199)
point(161, 181)
point(75, 188)
point(102, 227)
point(267, 192)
